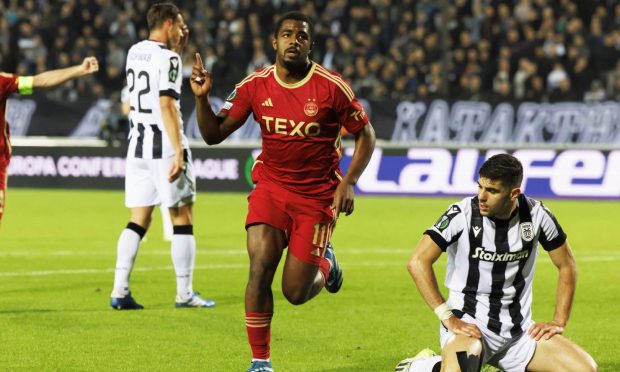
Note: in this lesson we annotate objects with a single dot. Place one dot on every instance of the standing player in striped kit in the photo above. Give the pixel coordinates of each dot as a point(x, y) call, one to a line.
point(159, 166)
point(492, 241)
point(299, 193)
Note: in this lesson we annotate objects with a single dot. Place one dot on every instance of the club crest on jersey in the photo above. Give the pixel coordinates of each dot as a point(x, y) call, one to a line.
point(174, 69)
point(453, 211)
point(311, 108)
point(527, 231)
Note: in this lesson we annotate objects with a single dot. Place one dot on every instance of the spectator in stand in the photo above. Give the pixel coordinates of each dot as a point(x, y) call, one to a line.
point(463, 87)
point(581, 75)
point(423, 94)
point(535, 90)
point(503, 74)
point(596, 92)
point(614, 89)
point(556, 76)
point(475, 89)
point(259, 58)
point(503, 94)
point(564, 93)
point(480, 32)
point(525, 71)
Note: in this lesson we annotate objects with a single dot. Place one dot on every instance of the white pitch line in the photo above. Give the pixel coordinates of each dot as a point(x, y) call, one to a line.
point(242, 251)
point(111, 270)
point(148, 252)
point(399, 263)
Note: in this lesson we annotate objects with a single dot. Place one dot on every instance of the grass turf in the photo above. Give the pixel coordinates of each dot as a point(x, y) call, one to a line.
point(58, 249)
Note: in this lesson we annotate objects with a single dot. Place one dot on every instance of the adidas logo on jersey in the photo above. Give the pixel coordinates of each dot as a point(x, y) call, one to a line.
point(267, 103)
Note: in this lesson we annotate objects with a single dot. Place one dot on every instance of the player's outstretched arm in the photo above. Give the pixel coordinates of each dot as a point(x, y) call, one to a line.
point(364, 146)
point(214, 129)
point(420, 267)
point(53, 78)
point(562, 257)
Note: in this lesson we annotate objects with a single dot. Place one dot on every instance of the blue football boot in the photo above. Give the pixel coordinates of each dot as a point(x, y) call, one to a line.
point(260, 366)
point(124, 303)
point(194, 301)
point(334, 280)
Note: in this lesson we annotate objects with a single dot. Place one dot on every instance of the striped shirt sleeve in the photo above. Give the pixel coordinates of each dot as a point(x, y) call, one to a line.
point(448, 228)
point(170, 75)
point(551, 234)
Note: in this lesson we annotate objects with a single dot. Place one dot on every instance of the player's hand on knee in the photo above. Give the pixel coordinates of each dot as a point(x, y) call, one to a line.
point(459, 327)
point(545, 330)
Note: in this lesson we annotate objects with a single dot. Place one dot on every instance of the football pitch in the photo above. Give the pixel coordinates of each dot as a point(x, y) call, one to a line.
point(57, 256)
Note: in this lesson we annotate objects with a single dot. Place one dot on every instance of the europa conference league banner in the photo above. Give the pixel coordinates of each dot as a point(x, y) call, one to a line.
point(216, 169)
point(569, 173)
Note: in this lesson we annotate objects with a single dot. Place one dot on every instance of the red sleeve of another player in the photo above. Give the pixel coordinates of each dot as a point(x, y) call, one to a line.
point(351, 114)
point(238, 104)
point(8, 84)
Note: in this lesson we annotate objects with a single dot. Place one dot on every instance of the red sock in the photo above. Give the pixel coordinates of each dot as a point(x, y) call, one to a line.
point(258, 326)
point(324, 267)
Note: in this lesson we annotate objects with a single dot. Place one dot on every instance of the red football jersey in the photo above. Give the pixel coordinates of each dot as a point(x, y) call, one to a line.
point(300, 126)
point(8, 85)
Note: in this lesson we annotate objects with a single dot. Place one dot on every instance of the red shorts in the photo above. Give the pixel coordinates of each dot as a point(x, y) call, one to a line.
point(307, 223)
point(4, 169)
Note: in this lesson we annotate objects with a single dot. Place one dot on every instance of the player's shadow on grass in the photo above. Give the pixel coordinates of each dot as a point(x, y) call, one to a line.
point(347, 369)
point(18, 311)
point(613, 366)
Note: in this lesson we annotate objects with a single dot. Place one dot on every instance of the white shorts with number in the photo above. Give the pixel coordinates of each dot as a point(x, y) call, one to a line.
point(146, 183)
point(508, 354)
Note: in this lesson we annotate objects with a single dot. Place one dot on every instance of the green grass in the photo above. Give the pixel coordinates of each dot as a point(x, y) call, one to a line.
point(58, 249)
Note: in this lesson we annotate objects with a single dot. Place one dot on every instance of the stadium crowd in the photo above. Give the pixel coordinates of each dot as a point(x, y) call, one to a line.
point(492, 50)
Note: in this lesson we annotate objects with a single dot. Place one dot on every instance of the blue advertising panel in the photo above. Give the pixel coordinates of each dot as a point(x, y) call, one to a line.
point(571, 173)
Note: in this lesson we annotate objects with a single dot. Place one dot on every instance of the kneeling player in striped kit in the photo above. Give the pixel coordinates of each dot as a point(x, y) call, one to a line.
point(491, 241)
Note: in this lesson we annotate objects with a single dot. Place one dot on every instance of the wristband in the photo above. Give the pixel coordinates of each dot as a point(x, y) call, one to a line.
point(24, 83)
point(443, 312)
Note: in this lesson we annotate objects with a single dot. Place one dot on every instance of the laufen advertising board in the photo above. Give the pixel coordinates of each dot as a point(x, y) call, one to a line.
point(573, 173)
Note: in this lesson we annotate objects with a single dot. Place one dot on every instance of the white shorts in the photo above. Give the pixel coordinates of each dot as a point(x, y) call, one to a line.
point(146, 183)
point(508, 354)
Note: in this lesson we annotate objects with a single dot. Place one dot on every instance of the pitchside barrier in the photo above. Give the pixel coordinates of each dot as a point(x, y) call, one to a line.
point(553, 171)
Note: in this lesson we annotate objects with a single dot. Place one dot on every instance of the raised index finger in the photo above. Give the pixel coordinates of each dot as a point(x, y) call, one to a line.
point(199, 60)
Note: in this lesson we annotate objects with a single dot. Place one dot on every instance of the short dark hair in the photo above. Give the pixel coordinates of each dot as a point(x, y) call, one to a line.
point(296, 16)
point(159, 13)
point(503, 167)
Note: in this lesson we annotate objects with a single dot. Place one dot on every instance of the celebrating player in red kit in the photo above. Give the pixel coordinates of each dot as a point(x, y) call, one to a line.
point(301, 107)
point(10, 83)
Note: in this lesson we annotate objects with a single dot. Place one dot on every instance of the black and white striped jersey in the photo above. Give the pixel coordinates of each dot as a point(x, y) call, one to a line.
point(152, 71)
point(491, 262)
